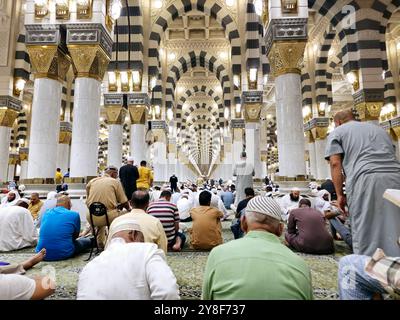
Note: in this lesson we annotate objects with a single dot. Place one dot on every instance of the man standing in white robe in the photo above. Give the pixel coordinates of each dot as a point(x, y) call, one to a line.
point(17, 229)
point(244, 171)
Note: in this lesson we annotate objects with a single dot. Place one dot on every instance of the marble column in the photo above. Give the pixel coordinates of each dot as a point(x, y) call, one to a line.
point(90, 61)
point(12, 162)
point(228, 163)
point(290, 125)
point(138, 108)
point(313, 160)
point(85, 127)
point(115, 118)
point(285, 51)
point(253, 148)
point(23, 157)
point(237, 126)
point(50, 65)
point(160, 156)
point(323, 170)
point(172, 163)
point(63, 149)
point(5, 133)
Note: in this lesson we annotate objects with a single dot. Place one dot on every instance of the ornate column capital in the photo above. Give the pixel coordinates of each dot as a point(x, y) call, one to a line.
point(285, 42)
point(368, 111)
point(316, 129)
point(9, 110)
point(23, 154)
point(65, 135)
point(252, 102)
point(13, 158)
point(90, 47)
point(395, 126)
point(47, 52)
point(138, 105)
point(113, 104)
point(159, 130)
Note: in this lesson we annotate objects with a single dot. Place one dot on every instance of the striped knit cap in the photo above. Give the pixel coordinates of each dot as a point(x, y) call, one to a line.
point(265, 205)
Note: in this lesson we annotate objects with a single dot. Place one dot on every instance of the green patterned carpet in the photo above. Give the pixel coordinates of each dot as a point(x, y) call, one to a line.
point(188, 267)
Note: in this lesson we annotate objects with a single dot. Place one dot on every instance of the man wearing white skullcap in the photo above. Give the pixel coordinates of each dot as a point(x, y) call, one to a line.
point(290, 201)
point(128, 269)
point(266, 265)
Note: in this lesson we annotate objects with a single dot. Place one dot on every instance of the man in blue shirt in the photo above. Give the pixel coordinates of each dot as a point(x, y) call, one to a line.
point(59, 232)
point(227, 197)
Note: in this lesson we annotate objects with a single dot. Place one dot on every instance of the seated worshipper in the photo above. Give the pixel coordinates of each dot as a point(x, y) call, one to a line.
point(176, 195)
point(227, 197)
point(35, 205)
point(330, 187)
point(59, 232)
point(153, 230)
point(145, 180)
point(235, 227)
point(321, 202)
point(257, 266)
point(184, 206)
point(128, 269)
point(206, 230)
point(155, 193)
point(362, 277)
point(109, 191)
point(290, 201)
point(269, 192)
point(49, 203)
point(10, 199)
point(306, 230)
point(17, 229)
point(168, 214)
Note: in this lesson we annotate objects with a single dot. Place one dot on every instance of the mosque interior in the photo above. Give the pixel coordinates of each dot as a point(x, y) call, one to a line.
point(188, 85)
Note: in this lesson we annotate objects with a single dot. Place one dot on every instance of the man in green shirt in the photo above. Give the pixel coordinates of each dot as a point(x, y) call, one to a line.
point(257, 266)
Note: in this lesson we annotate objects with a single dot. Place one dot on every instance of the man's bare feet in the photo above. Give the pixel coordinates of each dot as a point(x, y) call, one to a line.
point(177, 245)
point(34, 260)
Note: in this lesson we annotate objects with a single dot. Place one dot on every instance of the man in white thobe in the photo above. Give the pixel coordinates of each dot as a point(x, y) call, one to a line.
point(290, 201)
point(17, 229)
point(10, 199)
point(244, 172)
point(128, 269)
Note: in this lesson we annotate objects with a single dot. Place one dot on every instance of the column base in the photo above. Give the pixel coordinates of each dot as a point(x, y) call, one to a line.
point(38, 181)
point(297, 178)
point(79, 179)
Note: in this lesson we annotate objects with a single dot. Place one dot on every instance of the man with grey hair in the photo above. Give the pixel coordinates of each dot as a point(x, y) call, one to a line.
point(266, 265)
point(244, 172)
point(128, 269)
point(109, 191)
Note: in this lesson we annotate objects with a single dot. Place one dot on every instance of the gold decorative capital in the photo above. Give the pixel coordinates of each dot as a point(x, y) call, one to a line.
point(159, 135)
point(137, 114)
point(252, 112)
point(88, 61)
point(237, 134)
point(65, 137)
point(309, 136)
point(7, 117)
point(319, 133)
point(13, 159)
point(286, 57)
point(23, 155)
point(115, 114)
point(368, 111)
point(48, 61)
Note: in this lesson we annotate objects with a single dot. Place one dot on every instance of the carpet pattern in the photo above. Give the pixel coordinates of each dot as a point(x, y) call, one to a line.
point(188, 267)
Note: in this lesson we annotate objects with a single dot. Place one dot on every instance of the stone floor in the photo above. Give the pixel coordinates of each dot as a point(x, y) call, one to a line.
point(188, 267)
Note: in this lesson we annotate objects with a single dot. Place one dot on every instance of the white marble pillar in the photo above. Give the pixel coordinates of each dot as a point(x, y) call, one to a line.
point(160, 161)
point(253, 147)
point(323, 170)
point(63, 151)
point(228, 166)
point(313, 161)
point(24, 169)
point(115, 140)
point(11, 172)
point(237, 145)
point(45, 124)
point(290, 125)
point(5, 133)
point(138, 144)
point(85, 128)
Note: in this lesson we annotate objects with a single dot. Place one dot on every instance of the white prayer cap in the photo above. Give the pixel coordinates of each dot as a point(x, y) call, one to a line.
point(122, 224)
point(130, 159)
point(51, 195)
point(265, 205)
point(27, 201)
point(295, 189)
point(323, 192)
